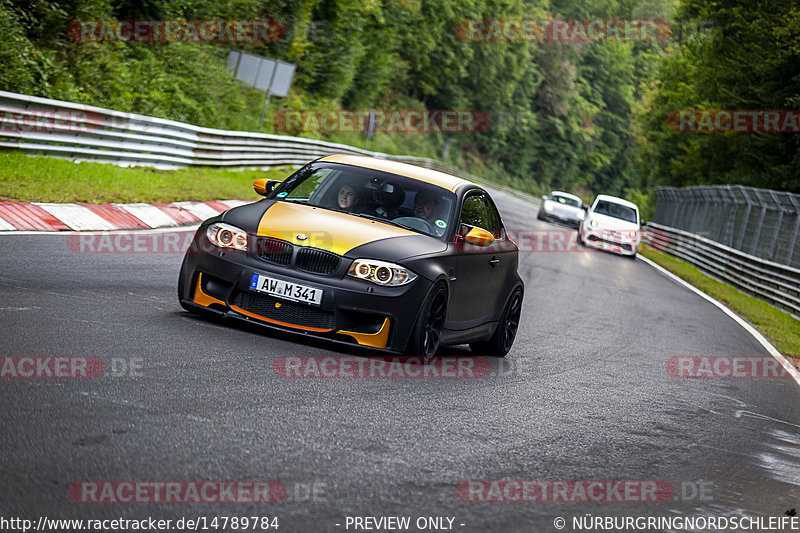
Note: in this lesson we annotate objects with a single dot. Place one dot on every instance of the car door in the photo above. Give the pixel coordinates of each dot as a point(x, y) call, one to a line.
point(480, 270)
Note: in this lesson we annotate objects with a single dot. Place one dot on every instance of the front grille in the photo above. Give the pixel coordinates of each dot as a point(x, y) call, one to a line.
point(289, 312)
point(625, 246)
point(317, 261)
point(273, 251)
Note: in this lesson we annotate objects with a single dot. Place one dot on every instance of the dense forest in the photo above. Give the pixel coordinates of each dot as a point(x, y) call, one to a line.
point(587, 116)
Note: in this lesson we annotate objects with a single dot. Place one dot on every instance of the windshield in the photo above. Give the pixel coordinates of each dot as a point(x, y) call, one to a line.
point(381, 196)
point(565, 201)
point(612, 209)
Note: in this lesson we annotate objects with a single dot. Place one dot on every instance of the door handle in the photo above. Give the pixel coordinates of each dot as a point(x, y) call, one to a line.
point(494, 262)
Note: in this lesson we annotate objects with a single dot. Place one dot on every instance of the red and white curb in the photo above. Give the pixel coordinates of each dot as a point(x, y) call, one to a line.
point(37, 216)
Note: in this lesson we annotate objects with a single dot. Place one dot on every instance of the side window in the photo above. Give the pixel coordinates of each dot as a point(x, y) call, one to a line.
point(473, 213)
point(495, 226)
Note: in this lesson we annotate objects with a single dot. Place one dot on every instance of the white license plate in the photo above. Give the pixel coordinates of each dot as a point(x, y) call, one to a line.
point(286, 289)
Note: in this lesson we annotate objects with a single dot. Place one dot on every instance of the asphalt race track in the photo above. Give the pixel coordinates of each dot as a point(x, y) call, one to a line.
point(584, 395)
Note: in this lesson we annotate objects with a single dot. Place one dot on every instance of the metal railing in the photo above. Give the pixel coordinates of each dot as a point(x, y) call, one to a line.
point(772, 282)
point(87, 133)
point(759, 222)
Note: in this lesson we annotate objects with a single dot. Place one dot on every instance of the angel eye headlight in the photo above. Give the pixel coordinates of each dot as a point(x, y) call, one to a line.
point(227, 236)
point(381, 272)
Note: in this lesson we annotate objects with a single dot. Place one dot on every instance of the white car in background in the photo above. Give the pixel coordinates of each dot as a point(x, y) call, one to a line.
point(562, 207)
point(611, 224)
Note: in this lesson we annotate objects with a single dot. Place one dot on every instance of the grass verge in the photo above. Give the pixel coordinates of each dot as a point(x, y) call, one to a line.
point(50, 179)
point(779, 327)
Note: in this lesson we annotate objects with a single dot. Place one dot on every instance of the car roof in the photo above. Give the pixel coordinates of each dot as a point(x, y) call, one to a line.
point(427, 175)
point(565, 194)
point(616, 200)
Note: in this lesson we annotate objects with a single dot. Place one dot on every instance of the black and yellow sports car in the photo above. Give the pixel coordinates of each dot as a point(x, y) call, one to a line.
point(364, 251)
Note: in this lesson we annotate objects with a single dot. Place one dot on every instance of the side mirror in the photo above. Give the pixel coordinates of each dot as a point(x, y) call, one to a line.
point(264, 186)
point(642, 223)
point(585, 207)
point(479, 237)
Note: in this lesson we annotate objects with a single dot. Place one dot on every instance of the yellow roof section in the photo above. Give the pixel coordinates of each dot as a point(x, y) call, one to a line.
point(427, 175)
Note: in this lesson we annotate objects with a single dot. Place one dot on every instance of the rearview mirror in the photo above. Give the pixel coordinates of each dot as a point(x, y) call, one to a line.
point(265, 186)
point(479, 237)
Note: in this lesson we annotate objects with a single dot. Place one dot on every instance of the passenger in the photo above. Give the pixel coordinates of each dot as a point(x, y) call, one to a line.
point(347, 199)
point(389, 197)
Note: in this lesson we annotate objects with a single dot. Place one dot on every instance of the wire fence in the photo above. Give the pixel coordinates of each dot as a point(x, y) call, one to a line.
point(760, 222)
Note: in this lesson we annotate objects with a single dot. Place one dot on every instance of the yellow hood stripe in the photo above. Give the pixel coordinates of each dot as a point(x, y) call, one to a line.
point(328, 230)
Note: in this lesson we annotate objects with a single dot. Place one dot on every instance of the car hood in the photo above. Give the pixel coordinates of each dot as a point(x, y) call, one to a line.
point(341, 233)
point(611, 223)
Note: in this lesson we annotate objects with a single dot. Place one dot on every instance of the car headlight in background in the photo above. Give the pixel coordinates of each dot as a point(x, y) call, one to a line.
point(548, 205)
point(593, 223)
point(632, 234)
point(227, 236)
point(381, 273)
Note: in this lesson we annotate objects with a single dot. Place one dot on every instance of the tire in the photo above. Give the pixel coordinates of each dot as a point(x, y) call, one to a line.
point(579, 240)
point(427, 335)
point(503, 337)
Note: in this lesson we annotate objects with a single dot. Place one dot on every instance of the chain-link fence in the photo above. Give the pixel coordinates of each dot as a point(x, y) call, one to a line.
point(759, 222)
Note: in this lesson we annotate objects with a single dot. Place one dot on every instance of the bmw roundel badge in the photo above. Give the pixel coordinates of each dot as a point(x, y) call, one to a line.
point(301, 237)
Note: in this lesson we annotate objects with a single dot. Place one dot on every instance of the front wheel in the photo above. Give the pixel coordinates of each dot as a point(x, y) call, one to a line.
point(427, 334)
point(503, 338)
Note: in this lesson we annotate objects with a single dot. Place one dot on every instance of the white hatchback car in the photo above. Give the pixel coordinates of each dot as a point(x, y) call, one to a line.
point(612, 224)
point(562, 207)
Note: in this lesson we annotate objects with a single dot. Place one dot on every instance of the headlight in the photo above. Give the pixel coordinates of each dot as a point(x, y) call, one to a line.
point(227, 236)
point(548, 205)
point(381, 273)
point(593, 223)
point(632, 234)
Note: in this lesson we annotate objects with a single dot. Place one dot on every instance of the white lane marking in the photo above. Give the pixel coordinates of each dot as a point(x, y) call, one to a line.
point(77, 217)
point(785, 363)
point(149, 214)
point(198, 209)
point(175, 229)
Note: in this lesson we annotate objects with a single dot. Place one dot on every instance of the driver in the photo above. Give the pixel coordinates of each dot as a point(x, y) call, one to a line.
point(424, 204)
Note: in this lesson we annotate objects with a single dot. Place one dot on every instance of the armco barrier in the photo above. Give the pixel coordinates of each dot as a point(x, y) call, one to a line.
point(87, 133)
point(772, 282)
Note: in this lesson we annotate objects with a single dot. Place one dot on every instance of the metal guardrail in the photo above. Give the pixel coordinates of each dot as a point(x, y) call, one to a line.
point(772, 282)
point(759, 222)
point(87, 133)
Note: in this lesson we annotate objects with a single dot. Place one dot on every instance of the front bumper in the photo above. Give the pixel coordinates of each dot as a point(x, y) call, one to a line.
point(563, 218)
point(612, 241)
point(351, 311)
